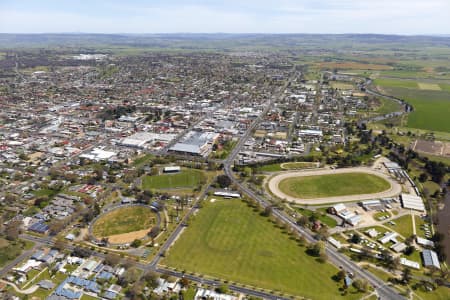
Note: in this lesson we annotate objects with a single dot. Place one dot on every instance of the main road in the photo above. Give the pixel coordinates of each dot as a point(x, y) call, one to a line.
point(384, 291)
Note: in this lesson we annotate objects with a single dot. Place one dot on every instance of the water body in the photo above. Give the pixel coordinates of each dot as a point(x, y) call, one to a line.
point(444, 225)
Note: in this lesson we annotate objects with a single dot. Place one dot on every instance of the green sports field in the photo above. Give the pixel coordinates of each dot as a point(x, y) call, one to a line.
point(187, 178)
point(228, 240)
point(124, 220)
point(331, 185)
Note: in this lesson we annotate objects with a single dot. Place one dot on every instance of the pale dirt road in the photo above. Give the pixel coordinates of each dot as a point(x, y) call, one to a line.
point(273, 183)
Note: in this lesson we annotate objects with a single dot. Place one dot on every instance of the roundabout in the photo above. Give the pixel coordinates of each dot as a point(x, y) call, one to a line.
point(330, 186)
point(124, 223)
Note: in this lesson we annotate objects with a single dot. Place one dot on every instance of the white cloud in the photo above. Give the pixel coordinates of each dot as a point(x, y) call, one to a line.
point(286, 16)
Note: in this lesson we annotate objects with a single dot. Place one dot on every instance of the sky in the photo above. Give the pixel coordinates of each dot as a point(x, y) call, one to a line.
point(228, 16)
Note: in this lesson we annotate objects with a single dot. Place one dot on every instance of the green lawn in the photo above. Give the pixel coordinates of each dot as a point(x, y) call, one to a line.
point(228, 240)
point(187, 178)
point(270, 168)
point(419, 221)
point(441, 293)
point(380, 214)
point(403, 226)
point(299, 165)
point(45, 192)
point(379, 273)
point(124, 220)
point(142, 159)
point(189, 294)
point(321, 216)
point(333, 185)
point(10, 250)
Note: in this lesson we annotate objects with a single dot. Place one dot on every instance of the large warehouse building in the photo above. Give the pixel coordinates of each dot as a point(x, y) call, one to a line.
point(412, 202)
point(195, 143)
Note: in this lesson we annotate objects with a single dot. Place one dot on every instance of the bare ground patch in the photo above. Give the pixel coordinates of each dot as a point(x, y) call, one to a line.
point(124, 238)
point(432, 147)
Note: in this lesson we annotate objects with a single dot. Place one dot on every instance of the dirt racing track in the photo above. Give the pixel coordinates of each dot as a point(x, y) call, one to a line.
point(273, 183)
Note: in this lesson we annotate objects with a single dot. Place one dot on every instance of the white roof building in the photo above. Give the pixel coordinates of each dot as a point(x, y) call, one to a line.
point(424, 242)
point(389, 237)
point(398, 247)
point(98, 154)
point(412, 202)
point(372, 232)
point(208, 294)
point(409, 263)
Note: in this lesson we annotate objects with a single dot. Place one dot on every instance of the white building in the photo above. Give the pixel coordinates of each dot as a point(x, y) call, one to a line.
point(412, 202)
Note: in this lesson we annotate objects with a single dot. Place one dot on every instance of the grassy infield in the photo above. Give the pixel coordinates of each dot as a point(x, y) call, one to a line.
point(187, 178)
point(124, 220)
point(229, 240)
point(333, 185)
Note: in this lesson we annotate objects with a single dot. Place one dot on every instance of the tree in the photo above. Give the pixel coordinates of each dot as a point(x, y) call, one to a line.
point(356, 238)
point(136, 243)
point(81, 252)
point(406, 275)
point(154, 171)
point(409, 250)
point(112, 259)
point(223, 181)
point(302, 221)
point(223, 289)
point(340, 275)
point(130, 276)
point(56, 226)
point(184, 282)
point(59, 245)
point(151, 279)
point(361, 285)
point(12, 230)
point(267, 211)
point(317, 249)
point(322, 257)
point(322, 233)
point(154, 232)
point(423, 177)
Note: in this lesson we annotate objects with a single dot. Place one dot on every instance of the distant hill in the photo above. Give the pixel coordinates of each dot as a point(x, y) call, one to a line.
point(219, 41)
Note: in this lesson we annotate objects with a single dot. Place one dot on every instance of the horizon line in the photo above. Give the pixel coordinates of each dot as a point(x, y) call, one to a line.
point(230, 33)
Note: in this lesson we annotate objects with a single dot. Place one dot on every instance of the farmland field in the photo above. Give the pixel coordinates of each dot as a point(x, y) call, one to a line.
point(124, 220)
point(330, 185)
point(352, 65)
point(431, 107)
point(227, 239)
point(388, 106)
point(341, 85)
point(187, 178)
point(388, 82)
point(429, 86)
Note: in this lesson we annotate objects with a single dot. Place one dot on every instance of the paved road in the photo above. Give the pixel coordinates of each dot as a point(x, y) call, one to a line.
point(336, 258)
point(15, 262)
point(152, 267)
